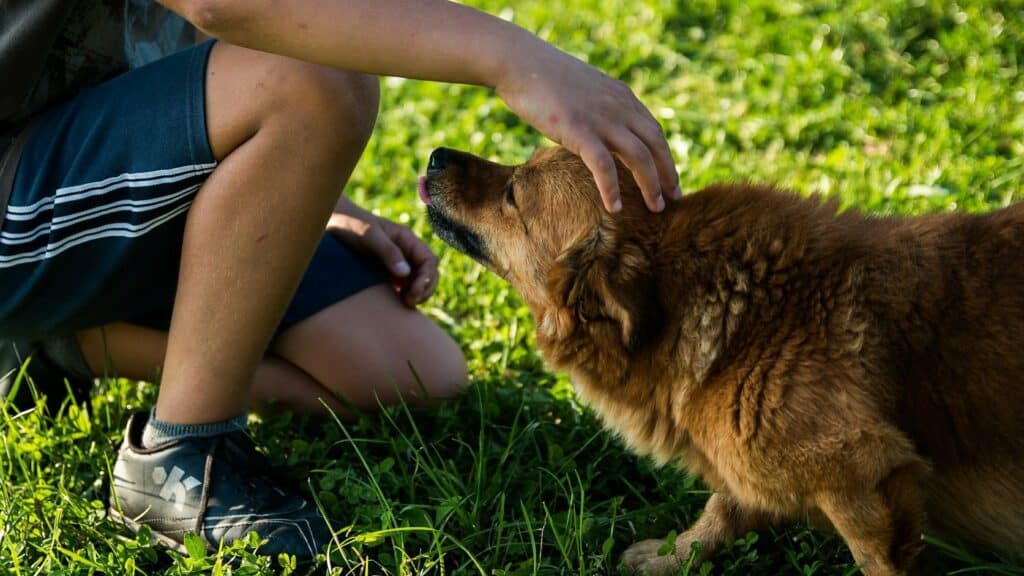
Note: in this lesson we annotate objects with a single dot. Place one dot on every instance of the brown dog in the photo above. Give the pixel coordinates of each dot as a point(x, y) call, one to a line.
point(864, 372)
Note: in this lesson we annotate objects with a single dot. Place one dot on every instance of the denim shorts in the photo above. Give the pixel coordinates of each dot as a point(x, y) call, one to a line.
point(94, 227)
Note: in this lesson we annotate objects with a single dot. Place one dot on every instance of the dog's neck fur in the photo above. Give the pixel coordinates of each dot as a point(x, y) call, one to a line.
point(711, 278)
point(594, 354)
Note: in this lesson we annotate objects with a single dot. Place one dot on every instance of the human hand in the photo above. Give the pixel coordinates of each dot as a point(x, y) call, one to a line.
point(412, 265)
point(594, 116)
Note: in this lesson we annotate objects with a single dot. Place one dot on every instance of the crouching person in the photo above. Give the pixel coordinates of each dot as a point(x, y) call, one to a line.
point(184, 217)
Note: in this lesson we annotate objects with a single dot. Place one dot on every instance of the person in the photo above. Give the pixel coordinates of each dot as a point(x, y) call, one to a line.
point(172, 218)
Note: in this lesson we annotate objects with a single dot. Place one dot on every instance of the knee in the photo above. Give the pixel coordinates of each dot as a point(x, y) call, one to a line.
point(316, 104)
point(340, 105)
point(373, 351)
point(321, 111)
point(426, 365)
point(442, 371)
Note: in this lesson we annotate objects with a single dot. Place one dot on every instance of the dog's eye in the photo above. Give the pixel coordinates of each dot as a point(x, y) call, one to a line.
point(510, 194)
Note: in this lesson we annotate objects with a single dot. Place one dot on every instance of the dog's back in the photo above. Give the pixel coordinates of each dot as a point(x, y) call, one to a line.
point(960, 337)
point(942, 298)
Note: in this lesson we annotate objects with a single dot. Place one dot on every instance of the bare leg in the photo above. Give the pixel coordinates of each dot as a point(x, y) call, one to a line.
point(723, 520)
point(138, 353)
point(362, 348)
point(287, 135)
point(359, 348)
point(280, 385)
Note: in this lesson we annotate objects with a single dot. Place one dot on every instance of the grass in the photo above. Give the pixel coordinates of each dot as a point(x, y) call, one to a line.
point(891, 106)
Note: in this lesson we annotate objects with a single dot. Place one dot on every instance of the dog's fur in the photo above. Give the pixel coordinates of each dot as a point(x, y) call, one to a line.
point(861, 372)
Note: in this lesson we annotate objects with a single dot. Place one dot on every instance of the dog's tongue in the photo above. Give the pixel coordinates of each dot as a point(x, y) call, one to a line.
point(421, 187)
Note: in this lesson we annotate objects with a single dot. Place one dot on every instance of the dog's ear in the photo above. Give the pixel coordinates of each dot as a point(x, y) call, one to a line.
point(600, 279)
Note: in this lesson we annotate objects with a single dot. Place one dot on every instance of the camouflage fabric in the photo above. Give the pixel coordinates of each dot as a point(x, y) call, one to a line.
point(100, 39)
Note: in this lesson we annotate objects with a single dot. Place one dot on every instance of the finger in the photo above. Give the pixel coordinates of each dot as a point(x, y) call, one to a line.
point(421, 284)
point(419, 290)
point(381, 245)
point(651, 134)
point(415, 250)
point(647, 128)
point(429, 285)
point(638, 159)
point(601, 164)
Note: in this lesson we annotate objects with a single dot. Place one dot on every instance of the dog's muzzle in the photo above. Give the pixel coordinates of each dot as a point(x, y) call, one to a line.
point(456, 235)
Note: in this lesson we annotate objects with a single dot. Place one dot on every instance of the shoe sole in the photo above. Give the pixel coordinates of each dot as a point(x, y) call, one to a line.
point(173, 544)
point(134, 526)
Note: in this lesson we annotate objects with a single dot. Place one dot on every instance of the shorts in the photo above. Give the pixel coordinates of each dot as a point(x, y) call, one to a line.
point(94, 227)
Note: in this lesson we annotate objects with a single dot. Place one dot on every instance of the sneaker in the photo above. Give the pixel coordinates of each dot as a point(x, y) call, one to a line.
point(217, 488)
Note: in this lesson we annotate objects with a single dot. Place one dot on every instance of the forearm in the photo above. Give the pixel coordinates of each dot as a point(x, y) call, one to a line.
point(567, 100)
point(430, 40)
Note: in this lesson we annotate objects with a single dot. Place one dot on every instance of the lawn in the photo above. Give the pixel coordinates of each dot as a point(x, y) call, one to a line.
point(891, 106)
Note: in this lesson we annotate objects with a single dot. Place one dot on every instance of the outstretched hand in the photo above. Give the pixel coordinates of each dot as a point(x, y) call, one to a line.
point(595, 117)
point(413, 266)
point(568, 100)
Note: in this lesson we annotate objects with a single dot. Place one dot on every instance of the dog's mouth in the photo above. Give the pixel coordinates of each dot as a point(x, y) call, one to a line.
point(457, 235)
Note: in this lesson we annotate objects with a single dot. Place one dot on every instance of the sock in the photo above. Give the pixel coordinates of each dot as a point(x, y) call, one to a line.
point(158, 432)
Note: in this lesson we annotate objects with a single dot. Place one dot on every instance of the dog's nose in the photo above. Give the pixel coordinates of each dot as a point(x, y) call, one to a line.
point(438, 159)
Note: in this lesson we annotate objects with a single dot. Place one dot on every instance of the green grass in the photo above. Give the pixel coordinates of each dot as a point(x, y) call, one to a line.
point(890, 106)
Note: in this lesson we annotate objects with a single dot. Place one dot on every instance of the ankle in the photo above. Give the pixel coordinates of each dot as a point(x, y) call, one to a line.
point(157, 432)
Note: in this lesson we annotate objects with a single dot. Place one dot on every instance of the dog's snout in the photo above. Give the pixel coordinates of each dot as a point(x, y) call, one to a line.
point(438, 159)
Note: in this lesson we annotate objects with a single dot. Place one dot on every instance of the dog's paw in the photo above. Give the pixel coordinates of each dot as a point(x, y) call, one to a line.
point(643, 558)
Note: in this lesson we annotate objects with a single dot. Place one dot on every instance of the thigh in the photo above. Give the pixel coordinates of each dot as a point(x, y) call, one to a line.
point(349, 330)
point(369, 349)
point(93, 230)
point(345, 327)
point(334, 273)
point(372, 350)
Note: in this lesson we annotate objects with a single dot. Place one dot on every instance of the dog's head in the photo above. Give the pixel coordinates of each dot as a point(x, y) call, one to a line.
point(541, 226)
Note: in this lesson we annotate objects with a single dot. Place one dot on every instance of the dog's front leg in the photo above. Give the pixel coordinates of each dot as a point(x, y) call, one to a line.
point(882, 526)
point(723, 519)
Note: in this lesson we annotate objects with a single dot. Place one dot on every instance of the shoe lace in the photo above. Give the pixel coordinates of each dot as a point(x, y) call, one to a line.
point(264, 482)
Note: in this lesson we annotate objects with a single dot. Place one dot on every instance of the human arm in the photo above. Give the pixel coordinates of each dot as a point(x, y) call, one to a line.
point(566, 99)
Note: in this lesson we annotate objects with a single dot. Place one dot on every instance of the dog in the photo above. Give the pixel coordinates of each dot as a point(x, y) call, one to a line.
point(863, 373)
